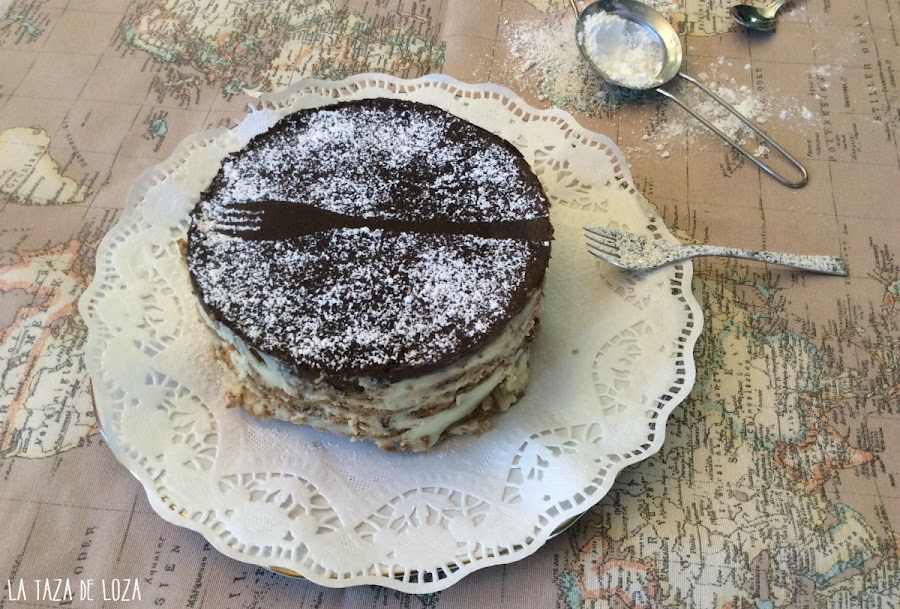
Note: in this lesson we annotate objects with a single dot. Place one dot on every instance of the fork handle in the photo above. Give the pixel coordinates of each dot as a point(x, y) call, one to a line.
point(828, 265)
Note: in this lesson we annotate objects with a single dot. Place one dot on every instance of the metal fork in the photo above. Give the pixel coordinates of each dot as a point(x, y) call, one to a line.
point(638, 253)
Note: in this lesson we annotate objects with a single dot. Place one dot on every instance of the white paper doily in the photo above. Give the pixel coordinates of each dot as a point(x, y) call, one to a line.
point(612, 359)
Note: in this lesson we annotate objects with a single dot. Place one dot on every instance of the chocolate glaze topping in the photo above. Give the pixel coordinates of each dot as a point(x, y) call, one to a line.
point(376, 238)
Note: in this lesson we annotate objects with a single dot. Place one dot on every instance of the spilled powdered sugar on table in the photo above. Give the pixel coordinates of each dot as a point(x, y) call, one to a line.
point(546, 53)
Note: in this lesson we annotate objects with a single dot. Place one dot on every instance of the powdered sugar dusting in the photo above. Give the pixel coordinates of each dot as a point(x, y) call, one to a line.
point(675, 127)
point(398, 298)
point(549, 51)
point(336, 150)
point(625, 52)
point(405, 285)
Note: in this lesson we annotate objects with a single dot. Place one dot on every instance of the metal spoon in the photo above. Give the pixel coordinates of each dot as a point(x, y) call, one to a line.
point(762, 19)
point(653, 22)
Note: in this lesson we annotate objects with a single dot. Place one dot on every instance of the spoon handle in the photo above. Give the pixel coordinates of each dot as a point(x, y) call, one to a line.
point(772, 8)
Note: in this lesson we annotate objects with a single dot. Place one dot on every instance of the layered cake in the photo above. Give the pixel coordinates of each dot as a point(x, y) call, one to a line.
point(375, 269)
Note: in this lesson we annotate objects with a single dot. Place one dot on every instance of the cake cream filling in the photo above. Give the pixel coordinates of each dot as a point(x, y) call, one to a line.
point(410, 414)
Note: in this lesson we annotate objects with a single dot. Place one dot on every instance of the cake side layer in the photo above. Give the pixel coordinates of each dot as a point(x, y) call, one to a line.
point(410, 415)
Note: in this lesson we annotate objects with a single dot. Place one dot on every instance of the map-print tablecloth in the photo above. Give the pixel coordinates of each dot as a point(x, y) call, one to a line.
point(778, 482)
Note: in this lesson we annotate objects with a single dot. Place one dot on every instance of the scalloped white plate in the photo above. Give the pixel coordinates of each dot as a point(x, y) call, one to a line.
point(613, 358)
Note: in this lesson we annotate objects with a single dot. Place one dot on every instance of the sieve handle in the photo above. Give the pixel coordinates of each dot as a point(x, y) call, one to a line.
point(804, 174)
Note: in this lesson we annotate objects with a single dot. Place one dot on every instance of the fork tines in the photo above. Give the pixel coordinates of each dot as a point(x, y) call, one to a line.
point(601, 232)
point(601, 244)
point(236, 219)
